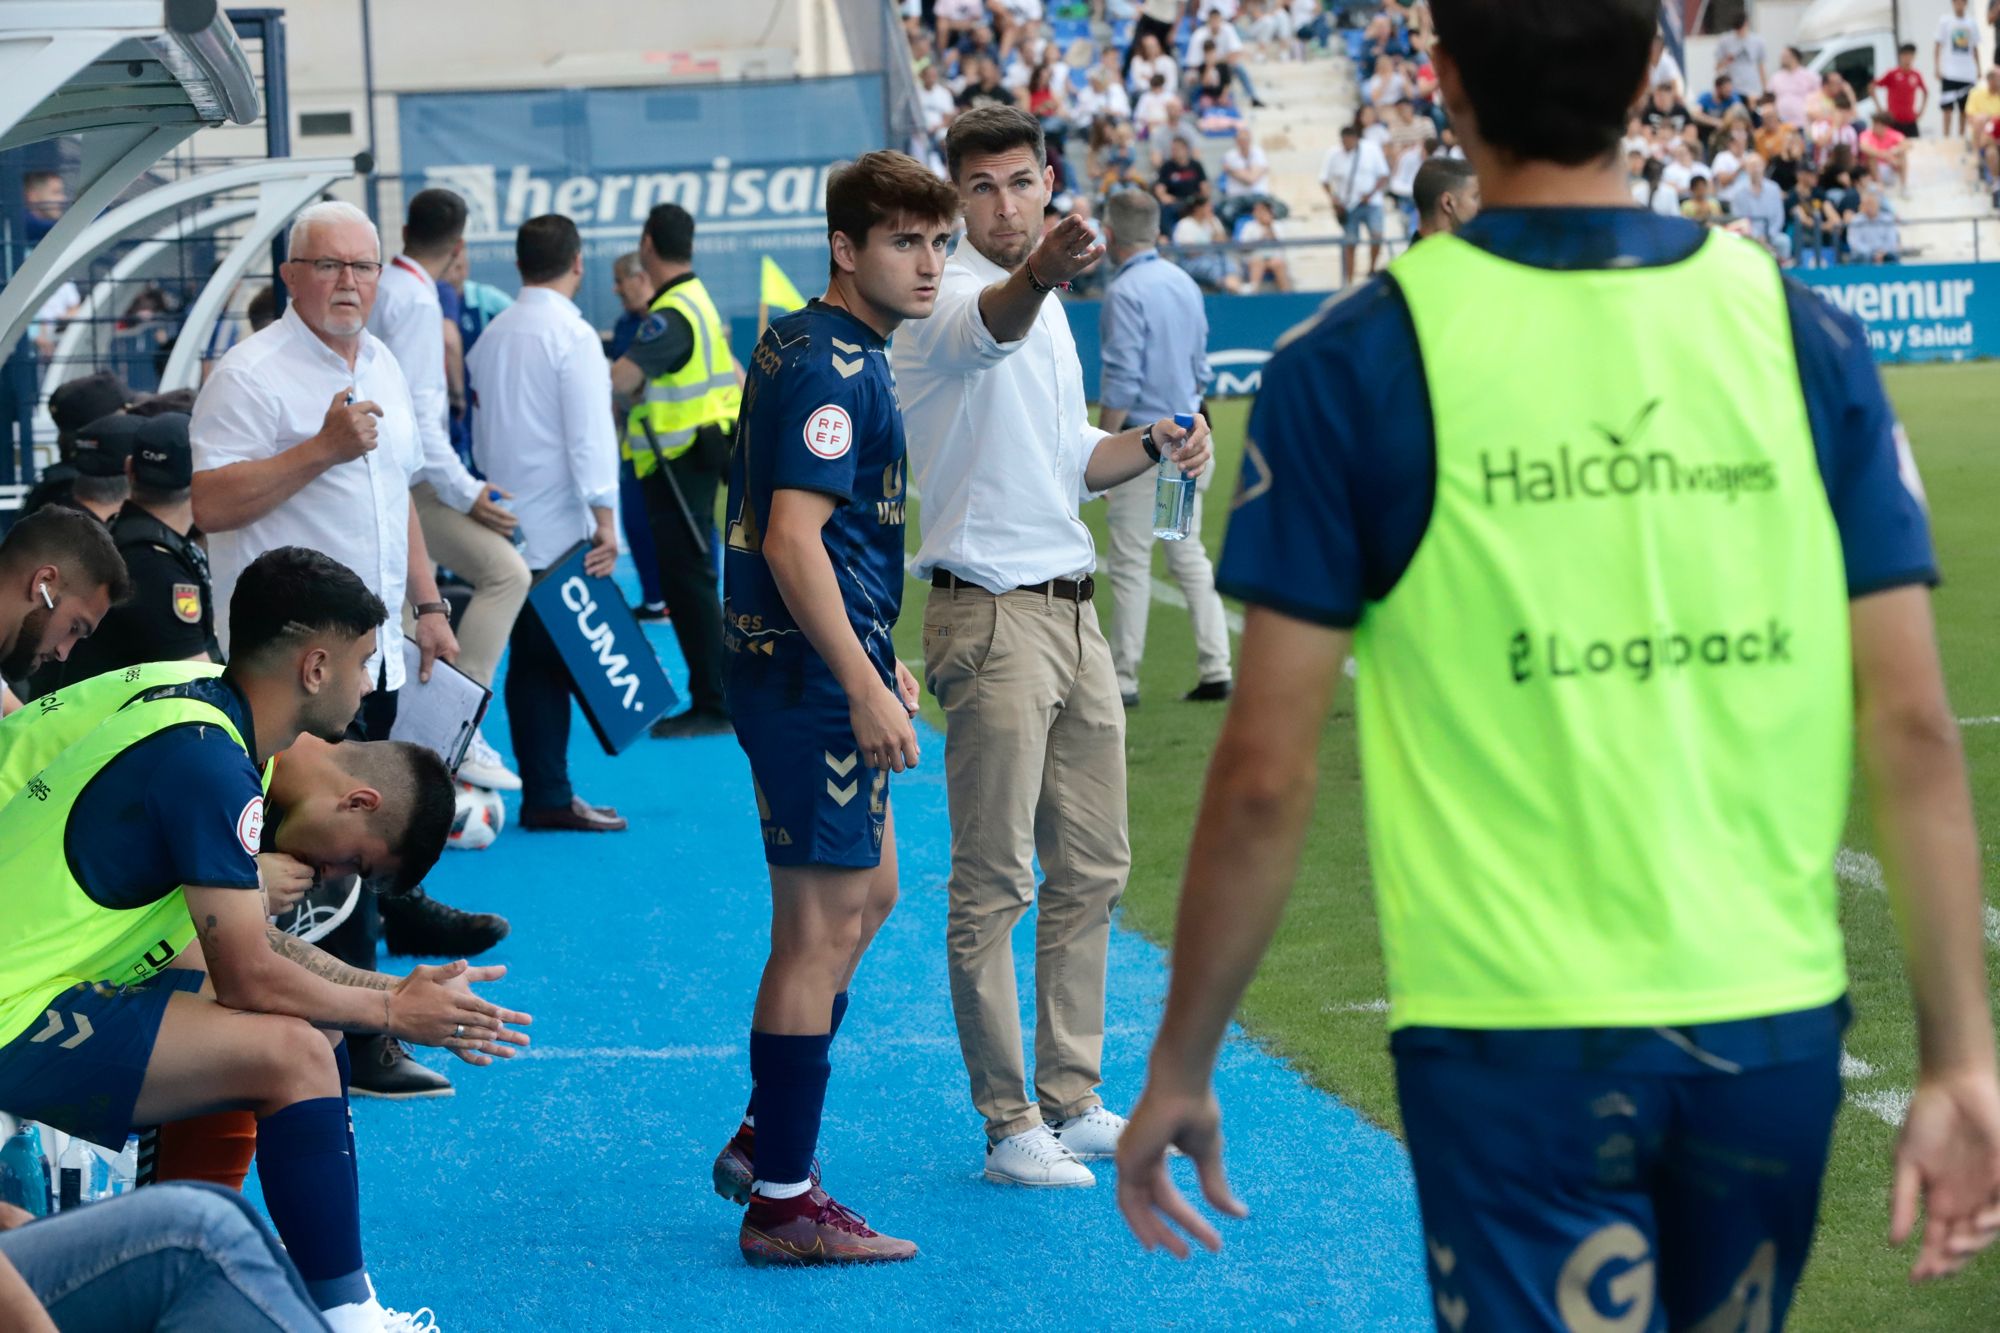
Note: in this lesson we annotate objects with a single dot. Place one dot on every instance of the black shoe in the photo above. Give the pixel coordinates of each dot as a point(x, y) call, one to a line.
point(416, 923)
point(694, 722)
point(644, 612)
point(382, 1068)
point(1129, 700)
point(1209, 691)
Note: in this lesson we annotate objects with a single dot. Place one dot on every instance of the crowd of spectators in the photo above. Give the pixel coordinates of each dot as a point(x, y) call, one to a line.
point(1132, 94)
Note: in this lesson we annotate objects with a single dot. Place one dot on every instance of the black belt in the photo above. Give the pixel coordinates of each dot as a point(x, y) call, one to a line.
point(1070, 590)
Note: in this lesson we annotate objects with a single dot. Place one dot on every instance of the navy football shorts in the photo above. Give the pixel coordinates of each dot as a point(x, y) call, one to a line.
point(1632, 1179)
point(80, 1064)
point(819, 804)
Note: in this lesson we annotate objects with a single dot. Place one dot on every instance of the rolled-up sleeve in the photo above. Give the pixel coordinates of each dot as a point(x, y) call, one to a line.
point(588, 439)
point(234, 421)
point(1121, 330)
point(1092, 437)
point(955, 338)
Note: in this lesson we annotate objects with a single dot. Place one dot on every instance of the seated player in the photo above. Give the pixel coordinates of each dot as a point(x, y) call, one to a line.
point(814, 581)
point(143, 835)
point(59, 573)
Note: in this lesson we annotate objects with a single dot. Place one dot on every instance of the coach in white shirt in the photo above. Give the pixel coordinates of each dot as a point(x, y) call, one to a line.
point(467, 532)
point(543, 435)
point(1001, 451)
point(304, 435)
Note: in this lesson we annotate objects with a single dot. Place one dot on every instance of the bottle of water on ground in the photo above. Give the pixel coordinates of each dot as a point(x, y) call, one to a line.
point(24, 1170)
point(1173, 493)
point(79, 1175)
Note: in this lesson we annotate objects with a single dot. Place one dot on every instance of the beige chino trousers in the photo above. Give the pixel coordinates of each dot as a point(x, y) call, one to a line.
point(486, 560)
point(1034, 763)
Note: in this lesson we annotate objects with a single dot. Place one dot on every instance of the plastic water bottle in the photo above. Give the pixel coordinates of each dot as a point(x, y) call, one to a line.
point(24, 1171)
point(1173, 494)
point(518, 536)
point(74, 1171)
point(124, 1169)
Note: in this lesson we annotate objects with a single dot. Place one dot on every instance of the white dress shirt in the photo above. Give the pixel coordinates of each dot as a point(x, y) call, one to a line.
point(998, 437)
point(273, 390)
point(543, 431)
point(408, 318)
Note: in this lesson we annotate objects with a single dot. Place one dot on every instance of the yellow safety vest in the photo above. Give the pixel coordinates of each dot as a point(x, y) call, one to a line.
point(703, 392)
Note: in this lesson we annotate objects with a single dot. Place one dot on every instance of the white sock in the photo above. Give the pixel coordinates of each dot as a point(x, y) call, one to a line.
point(770, 1191)
point(750, 1120)
point(359, 1317)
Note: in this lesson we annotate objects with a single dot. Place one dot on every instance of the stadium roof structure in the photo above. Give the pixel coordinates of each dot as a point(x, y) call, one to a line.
point(132, 79)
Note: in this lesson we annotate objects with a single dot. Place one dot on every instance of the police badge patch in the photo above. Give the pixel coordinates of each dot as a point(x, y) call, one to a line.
point(187, 602)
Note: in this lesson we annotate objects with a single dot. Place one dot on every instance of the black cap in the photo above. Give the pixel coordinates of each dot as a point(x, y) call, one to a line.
point(86, 399)
point(103, 446)
point(162, 458)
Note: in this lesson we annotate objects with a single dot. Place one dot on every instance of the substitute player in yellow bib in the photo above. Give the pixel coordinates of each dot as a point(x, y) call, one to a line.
point(1622, 596)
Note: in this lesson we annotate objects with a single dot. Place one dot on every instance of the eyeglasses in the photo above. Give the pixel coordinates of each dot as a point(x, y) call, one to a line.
point(364, 270)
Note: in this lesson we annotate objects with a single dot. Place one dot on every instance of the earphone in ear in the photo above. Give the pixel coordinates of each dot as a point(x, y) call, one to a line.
point(47, 600)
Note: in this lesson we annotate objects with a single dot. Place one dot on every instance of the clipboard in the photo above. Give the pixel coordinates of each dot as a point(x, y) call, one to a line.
point(440, 715)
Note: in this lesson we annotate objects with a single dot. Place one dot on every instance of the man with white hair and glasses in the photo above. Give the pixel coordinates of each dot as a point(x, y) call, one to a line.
point(305, 435)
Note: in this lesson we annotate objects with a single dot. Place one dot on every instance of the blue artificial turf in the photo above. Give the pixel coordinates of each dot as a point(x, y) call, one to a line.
point(570, 1189)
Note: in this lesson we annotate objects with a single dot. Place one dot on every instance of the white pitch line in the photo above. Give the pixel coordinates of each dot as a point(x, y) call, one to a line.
point(1979, 722)
point(1166, 592)
point(1890, 1106)
point(1861, 869)
point(1357, 1007)
point(1853, 1066)
point(628, 1052)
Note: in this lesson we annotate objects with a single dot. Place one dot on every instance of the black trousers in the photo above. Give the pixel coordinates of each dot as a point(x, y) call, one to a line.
point(538, 713)
point(687, 562)
point(353, 940)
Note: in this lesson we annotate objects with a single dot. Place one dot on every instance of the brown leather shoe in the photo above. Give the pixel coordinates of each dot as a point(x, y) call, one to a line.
point(576, 817)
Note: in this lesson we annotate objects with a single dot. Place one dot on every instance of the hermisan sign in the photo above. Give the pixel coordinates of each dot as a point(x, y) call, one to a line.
point(1918, 312)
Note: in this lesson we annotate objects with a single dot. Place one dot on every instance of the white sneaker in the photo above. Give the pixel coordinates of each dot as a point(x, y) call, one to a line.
point(358, 1317)
point(423, 1321)
point(1092, 1136)
point(483, 767)
point(1035, 1157)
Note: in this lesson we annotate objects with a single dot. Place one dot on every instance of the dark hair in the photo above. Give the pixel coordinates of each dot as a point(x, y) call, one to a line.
point(1437, 177)
point(546, 247)
point(671, 230)
point(263, 308)
point(434, 221)
point(881, 187)
point(414, 778)
point(1590, 59)
point(993, 129)
point(290, 591)
point(1907, 49)
point(30, 179)
point(159, 404)
point(92, 489)
point(74, 542)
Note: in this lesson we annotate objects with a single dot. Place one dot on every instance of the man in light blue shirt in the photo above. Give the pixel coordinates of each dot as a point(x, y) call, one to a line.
point(1155, 344)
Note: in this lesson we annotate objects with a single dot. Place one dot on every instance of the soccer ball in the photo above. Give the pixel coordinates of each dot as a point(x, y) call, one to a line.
point(478, 820)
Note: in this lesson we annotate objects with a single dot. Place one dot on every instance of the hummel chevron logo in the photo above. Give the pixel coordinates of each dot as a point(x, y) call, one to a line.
point(840, 767)
point(842, 795)
point(846, 347)
point(848, 369)
point(55, 1029)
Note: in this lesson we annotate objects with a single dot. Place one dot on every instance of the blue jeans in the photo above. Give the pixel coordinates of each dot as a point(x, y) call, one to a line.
point(184, 1258)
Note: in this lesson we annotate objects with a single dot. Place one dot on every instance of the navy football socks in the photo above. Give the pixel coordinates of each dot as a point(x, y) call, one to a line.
point(839, 1012)
point(308, 1175)
point(790, 1074)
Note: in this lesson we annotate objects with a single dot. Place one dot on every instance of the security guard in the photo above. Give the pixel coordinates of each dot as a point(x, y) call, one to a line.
point(1626, 600)
point(677, 438)
point(171, 615)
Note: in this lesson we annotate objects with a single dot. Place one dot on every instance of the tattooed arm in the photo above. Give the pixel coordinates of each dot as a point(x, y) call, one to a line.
point(433, 1006)
point(323, 964)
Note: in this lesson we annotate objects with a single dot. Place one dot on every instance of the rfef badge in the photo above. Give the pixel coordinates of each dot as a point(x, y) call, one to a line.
point(187, 602)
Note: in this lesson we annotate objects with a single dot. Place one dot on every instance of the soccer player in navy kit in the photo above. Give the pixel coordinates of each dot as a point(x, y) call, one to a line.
point(813, 585)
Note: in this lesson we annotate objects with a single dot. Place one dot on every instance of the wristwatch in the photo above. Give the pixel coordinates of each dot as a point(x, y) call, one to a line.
point(1146, 443)
point(433, 609)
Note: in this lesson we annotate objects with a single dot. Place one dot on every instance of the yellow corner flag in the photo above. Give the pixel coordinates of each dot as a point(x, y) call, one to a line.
point(777, 295)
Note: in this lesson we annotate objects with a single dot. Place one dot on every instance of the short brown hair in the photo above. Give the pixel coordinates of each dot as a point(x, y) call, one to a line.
point(881, 186)
point(993, 129)
point(73, 541)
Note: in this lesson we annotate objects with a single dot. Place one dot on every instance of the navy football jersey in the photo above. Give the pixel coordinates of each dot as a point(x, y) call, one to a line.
point(819, 414)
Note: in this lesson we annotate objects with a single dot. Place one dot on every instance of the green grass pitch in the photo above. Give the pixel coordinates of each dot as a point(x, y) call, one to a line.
point(1315, 1002)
